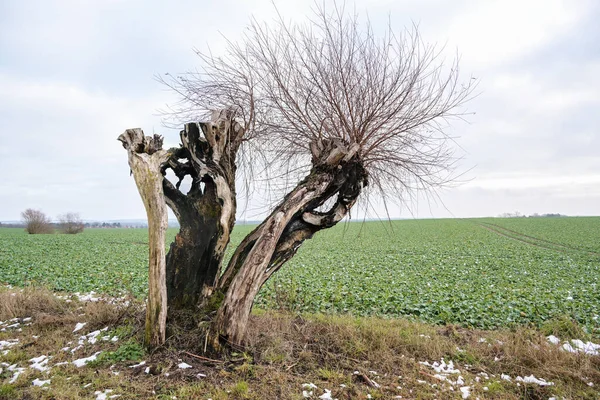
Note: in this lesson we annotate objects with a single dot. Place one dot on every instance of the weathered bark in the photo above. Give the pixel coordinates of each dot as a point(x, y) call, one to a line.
point(337, 172)
point(145, 156)
point(206, 214)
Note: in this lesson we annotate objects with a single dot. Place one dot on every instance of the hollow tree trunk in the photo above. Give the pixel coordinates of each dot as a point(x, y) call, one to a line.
point(145, 156)
point(206, 214)
point(337, 172)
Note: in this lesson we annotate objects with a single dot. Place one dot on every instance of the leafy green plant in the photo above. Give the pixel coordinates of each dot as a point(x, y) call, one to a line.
point(131, 351)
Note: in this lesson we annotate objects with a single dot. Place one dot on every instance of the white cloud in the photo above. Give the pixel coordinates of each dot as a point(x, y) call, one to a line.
point(494, 32)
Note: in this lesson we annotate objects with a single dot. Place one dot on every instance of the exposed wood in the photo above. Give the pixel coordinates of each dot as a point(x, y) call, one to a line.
point(206, 214)
point(145, 156)
point(278, 238)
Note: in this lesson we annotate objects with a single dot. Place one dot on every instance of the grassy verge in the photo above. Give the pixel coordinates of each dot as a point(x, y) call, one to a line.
point(353, 358)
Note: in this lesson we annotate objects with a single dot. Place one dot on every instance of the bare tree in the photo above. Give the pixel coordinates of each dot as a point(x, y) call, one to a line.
point(70, 223)
point(36, 221)
point(329, 99)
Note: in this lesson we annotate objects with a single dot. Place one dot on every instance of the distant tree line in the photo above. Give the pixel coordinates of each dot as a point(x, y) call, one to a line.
point(104, 225)
point(37, 222)
point(517, 214)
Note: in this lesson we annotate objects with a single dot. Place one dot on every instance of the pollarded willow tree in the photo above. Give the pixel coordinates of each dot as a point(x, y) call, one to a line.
point(332, 99)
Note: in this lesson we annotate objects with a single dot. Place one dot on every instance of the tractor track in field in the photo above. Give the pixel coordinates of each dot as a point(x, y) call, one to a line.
point(532, 240)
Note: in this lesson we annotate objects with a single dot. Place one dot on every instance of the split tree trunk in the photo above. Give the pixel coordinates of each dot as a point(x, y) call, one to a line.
point(146, 157)
point(206, 214)
point(192, 276)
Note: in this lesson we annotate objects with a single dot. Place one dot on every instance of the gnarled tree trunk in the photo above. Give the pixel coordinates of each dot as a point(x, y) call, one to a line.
point(206, 214)
point(337, 171)
point(146, 157)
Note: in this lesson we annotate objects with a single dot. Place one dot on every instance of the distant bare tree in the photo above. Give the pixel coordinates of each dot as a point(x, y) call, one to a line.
point(36, 221)
point(70, 223)
point(345, 109)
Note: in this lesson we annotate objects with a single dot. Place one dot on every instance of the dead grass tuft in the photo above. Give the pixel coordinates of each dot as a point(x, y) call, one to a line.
point(28, 302)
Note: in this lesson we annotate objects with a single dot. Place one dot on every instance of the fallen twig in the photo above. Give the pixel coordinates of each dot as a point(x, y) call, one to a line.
point(202, 358)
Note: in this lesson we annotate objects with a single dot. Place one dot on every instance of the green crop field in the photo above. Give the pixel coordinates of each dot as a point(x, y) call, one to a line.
point(483, 273)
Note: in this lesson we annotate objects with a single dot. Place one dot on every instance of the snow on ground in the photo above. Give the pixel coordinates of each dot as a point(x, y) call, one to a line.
point(105, 395)
point(82, 361)
point(138, 365)
point(40, 363)
point(93, 297)
point(576, 346)
point(5, 344)
point(14, 324)
point(308, 390)
point(465, 392)
point(39, 382)
point(533, 379)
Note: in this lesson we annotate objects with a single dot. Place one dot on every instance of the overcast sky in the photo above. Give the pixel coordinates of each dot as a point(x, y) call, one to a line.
point(75, 74)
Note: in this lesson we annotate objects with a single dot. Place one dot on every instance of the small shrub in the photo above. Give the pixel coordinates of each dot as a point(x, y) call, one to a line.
point(36, 222)
point(70, 223)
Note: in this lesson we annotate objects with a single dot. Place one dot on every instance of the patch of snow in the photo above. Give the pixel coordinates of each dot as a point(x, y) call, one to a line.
point(79, 326)
point(74, 349)
point(39, 382)
point(533, 379)
point(147, 370)
point(8, 343)
point(87, 297)
point(465, 392)
point(553, 339)
point(587, 347)
point(184, 365)
point(105, 395)
point(326, 395)
point(442, 367)
point(576, 346)
point(138, 365)
point(505, 377)
point(16, 372)
point(306, 393)
point(199, 376)
point(40, 363)
point(82, 361)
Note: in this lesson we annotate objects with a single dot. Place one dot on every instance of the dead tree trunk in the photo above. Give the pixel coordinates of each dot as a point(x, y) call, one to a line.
point(206, 214)
point(146, 157)
point(337, 171)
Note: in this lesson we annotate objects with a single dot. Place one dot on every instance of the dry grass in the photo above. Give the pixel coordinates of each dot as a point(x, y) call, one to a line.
point(283, 352)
